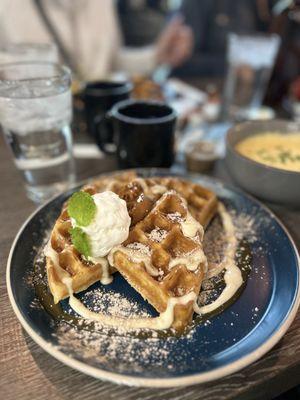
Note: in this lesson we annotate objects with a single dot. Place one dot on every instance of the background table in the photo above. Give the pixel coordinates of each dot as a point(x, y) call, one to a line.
point(27, 372)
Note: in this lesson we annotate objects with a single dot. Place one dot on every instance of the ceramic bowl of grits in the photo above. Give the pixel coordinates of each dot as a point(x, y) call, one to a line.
point(263, 157)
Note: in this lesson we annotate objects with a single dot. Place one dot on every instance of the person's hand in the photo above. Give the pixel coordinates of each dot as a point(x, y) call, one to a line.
point(175, 44)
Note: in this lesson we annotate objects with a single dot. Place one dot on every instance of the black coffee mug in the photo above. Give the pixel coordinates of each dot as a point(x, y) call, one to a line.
point(144, 133)
point(99, 97)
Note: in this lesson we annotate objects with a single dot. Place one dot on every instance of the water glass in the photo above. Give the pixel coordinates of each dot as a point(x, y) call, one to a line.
point(28, 52)
point(35, 115)
point(250, 61)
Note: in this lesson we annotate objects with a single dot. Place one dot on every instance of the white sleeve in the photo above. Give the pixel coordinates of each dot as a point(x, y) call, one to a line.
point(136, 60)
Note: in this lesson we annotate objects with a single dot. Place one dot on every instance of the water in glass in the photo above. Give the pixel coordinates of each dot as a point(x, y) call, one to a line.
point(35, 117)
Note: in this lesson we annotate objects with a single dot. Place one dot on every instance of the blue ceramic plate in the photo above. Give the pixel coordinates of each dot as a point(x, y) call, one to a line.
point(219, 346)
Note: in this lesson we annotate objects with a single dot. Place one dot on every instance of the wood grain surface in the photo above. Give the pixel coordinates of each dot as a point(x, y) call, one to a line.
point(27, 372)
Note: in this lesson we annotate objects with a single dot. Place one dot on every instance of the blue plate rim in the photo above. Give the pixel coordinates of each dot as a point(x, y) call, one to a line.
point(159, 382)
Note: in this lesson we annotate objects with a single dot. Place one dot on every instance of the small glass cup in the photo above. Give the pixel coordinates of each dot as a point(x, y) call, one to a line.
point(28, 52)
point(35, 115)
point(250, 60)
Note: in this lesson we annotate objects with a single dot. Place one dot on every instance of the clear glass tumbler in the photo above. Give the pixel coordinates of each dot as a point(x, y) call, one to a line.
point(35, 115)
point(28, 52)
point(250, 61)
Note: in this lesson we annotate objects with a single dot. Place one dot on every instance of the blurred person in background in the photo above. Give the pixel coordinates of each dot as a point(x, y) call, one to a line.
point(212, 20)
point(88, 36)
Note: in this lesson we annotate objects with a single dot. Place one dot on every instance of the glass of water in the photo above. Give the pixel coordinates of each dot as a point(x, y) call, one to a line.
point(250, 61)
point(35, 115)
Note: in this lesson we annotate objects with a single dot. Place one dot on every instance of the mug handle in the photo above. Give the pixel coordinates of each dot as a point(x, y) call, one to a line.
point(103, 127)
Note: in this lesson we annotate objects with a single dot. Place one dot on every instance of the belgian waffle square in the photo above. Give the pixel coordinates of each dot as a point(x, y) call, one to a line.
point(162, 262)
point(201, 202)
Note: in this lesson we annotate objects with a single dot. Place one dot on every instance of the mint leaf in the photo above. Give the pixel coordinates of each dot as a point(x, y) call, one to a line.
point(80, 241)
point(82, 208)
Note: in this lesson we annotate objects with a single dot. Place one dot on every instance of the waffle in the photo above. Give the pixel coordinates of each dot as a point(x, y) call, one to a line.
point(150, 203)
point(114, 182)
point(67, 261)
point(201, 202)
point(163, 259)
point(141, 194)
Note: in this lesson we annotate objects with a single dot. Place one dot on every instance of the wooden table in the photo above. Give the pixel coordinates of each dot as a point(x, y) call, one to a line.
point(27, 372)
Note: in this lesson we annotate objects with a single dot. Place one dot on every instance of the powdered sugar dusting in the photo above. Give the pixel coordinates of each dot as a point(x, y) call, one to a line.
point(158, 234)
point(175, 217)
point(118, 352)
point(142, 248)
point(112, 303)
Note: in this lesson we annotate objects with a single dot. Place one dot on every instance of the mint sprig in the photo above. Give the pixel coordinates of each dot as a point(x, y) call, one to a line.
point(82, 208)
point(80, 241)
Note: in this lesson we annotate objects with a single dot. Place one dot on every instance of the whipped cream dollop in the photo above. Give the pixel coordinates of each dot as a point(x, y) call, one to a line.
point(110, 225)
